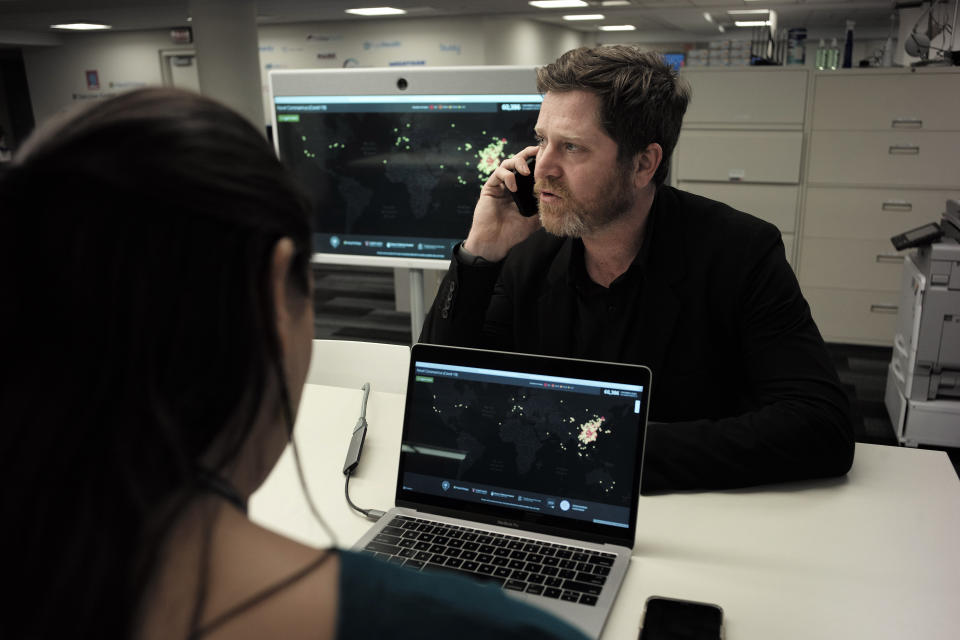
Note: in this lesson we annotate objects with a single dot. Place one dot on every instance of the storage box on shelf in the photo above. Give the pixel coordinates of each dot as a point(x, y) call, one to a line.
point(882, 159)
point(742, 142)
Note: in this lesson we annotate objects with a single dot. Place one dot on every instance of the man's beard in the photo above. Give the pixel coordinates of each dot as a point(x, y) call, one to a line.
point(572, 218)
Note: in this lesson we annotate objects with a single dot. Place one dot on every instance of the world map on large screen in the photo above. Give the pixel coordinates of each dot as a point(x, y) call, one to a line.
point(409, 174)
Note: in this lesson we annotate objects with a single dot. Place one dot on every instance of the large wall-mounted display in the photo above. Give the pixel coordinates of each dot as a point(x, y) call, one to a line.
point(394, 159)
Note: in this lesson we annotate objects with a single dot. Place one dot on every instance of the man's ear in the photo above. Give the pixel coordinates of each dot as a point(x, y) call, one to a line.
point(280, 263)
point(647, 163)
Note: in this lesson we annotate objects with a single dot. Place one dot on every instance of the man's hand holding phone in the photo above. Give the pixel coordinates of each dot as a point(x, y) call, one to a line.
point(497, 223)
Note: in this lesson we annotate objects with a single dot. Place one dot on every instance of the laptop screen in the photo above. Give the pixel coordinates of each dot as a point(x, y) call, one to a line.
point(541, 441)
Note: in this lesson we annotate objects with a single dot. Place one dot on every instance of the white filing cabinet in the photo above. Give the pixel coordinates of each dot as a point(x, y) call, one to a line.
point(742, 142)
point(882, 159)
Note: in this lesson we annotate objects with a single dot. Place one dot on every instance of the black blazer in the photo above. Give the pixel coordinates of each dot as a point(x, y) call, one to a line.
point(743, 391)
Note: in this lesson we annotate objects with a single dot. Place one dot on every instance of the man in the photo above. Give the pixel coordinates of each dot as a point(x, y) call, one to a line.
point(627, 269)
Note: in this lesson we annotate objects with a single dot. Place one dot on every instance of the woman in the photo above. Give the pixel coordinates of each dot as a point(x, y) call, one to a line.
point(157, 257)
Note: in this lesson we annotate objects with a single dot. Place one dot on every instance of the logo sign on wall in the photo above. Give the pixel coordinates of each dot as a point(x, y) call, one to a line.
point(93, 80)
point(181, 35)
point(382, 44)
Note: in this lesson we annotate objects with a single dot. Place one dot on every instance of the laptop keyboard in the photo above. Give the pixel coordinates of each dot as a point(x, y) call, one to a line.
point(540, 568)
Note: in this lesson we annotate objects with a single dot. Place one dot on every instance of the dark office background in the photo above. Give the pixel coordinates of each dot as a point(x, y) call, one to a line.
point(15, 108)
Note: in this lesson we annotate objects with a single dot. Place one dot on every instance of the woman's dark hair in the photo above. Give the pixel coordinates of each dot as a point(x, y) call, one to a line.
point(642, 98)
point(138, 329)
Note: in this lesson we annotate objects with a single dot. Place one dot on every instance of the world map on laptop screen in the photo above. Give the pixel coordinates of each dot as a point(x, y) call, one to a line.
point(559, 446)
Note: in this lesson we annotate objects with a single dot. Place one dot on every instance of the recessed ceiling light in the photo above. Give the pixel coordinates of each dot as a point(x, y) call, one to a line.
point(557, 4)
point(80, 26)
point(376, 11)
point(708, 17)
point(747, 12)
point(618, 27)
point(615, 3)
point(751, 23)
point(585, 16)
point(720, 27)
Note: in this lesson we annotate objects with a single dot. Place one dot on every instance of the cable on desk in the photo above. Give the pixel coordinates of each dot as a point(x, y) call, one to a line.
point(369, 514)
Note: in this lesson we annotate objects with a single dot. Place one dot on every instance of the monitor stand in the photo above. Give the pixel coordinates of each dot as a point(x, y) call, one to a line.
point(417, 313)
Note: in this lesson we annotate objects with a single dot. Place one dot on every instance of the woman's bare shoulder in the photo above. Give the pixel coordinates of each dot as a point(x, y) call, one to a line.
point(259, 584)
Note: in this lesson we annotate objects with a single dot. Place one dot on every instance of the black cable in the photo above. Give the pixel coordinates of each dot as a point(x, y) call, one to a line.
point(257, 598)
point(369, 514)
point(309, 496)
point(223, 488)
point(289, 416)
point(353, 457)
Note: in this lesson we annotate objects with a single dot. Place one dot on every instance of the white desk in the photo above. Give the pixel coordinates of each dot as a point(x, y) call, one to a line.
point(874, 555)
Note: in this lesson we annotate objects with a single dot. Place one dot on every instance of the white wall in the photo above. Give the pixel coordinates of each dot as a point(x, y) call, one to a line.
point(56, 74)
point(510, 41)
point(124, 60)
point(434, 42)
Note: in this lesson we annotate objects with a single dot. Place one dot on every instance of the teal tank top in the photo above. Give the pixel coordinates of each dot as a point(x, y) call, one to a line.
point(380, 600)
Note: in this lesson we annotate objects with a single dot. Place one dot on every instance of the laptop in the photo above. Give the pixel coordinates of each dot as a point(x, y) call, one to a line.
point(521, 470)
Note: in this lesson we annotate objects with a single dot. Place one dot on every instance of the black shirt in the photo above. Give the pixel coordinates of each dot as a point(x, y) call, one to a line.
point(604, 318)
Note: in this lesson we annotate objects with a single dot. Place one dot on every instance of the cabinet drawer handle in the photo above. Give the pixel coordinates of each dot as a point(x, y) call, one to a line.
point(904, 149)
point(896, 205)
point(900, 346)
point(884, 308)
point(887, 259)
point(898, 372)
point(906, 123)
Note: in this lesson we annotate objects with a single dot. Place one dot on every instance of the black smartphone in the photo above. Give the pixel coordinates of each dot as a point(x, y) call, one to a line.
point(918, 237)
point(672, 619)
point(523, 196)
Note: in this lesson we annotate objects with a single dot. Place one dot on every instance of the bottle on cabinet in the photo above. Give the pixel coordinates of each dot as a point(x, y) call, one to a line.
point(848, 46)
point(833, 55)
point(821, 60)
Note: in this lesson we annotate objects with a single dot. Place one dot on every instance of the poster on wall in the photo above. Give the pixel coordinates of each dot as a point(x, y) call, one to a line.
point(93, 80)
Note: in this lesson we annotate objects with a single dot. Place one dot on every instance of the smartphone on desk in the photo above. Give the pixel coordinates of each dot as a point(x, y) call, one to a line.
point(523, 196)
point(672, 619)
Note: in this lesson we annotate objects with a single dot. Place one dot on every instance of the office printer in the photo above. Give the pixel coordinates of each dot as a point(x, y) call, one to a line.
point(923, 379)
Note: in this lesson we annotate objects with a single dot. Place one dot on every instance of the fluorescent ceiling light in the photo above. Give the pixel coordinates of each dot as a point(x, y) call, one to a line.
point(615, 3)
point(585, 16)
point(80, 26)
point(751, 23)
point(747, 12)
point(617, 27)
point(376, 11)
point(707, 17)
point(720, 27)
point(557, 4)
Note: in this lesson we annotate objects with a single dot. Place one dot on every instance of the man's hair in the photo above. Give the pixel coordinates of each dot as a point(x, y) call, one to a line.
point(642, 99)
